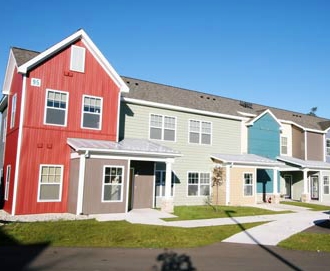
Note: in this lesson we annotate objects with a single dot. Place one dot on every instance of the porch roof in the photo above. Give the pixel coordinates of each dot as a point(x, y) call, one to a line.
point(311, 164)
point(129, 146)
point(246, 159)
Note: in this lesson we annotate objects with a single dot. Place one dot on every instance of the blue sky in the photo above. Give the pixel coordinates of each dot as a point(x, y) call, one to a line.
point(270, 52)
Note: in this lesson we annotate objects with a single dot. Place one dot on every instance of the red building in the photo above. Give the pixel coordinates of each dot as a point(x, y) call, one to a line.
point(62, 122)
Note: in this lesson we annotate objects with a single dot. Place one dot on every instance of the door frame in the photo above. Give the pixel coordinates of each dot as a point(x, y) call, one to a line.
point(290, 183)
point(312, 178)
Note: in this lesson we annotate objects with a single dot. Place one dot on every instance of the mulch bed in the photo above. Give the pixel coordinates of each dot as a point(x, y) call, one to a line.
point(320, 227)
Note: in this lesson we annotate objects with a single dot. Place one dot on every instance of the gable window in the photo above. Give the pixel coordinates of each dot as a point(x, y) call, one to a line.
point(160, 176)
point(328, 146)
point(92, 112)
point(13, 111)
point(50, 183)
point(77, 61)
point(56, 107)
point(162, 127)
point(284, 145)
point(326, 185)
point(248, 184)
point(112, 183)
point(198, 184)
point(200, 132)
point(7, 182)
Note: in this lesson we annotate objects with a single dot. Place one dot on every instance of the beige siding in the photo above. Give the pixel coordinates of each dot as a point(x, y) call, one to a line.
point(287, 132)
point(226, 138)
point(315, 143)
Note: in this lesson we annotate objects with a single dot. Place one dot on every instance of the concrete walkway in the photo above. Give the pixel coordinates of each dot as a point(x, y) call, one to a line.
point(276, 228)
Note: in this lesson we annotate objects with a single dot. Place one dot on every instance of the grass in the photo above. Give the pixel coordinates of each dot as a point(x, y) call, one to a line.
point(312, 206)
point(307, 241)
point(90, 233)
point(206, 212)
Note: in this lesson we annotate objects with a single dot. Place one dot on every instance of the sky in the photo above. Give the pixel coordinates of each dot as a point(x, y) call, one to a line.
point(270, 52)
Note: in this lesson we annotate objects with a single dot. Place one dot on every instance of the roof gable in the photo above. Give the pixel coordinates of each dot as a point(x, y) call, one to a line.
point(264, 113)
point(79, 35)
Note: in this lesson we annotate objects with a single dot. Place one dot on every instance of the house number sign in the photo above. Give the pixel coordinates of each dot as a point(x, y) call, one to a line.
point(36, 82)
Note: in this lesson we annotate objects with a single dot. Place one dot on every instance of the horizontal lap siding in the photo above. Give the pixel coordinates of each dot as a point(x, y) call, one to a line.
point(315, 143)
point(226, 138)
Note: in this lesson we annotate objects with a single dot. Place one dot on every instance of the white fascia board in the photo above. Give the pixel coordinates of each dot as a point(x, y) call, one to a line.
point(303, 128)
point(180, 108)
point(11, 65)
point(271, 165)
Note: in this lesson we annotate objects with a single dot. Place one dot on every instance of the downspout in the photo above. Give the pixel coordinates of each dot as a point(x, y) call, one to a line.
point(305, 137)
point(19, 145)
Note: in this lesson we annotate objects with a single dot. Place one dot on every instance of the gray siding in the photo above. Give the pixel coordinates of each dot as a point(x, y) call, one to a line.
point(226, 138)
point(298, 143)
point(315, 143)
point(73, 186)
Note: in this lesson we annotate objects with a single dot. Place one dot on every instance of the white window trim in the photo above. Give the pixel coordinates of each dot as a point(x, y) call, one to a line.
point(163, 186)
point(82, 112)
point(200, 132)
point(60, 185)
point(199, 184)
point(326, 147)
point(163, 127)
point(328, 185)
point(13, 110)
point(66, 109)
point(4, 129)
point(122, 184)
point(281, 145)
point(253, 184)
point(75, 47)
point(7, 182)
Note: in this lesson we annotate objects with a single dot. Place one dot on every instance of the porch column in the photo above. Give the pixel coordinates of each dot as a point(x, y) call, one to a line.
point(305, 195)
point(167, 201)
point(275, 186)
point(81, 181)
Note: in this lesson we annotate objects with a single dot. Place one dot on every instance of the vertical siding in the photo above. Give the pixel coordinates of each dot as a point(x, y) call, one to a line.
point(315, 145)
point(73, 186)
point(47, 143)
point(298, 143)
point(226, 138)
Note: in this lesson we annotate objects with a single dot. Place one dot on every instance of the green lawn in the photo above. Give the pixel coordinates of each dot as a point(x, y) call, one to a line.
point(307, 241)
point(90, 233)
point(312, 206)
point(206, 211)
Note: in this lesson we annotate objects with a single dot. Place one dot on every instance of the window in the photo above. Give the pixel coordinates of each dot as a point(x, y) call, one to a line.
point(13, 111)
point(328, 146)
point(198, 184)
point(248, 184)
point(50, 183)
point(7, 182)
point(4, 129)
point(160, 183)
point(92, 112)
point(77, 61)
point(56, 107)
point(284, 145)
point(162, 127)
point(112, 183)
point(326, 185)
point(200, 132)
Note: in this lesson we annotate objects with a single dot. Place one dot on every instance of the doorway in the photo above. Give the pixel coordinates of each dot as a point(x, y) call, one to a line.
point(288, 186)
point(315, 187)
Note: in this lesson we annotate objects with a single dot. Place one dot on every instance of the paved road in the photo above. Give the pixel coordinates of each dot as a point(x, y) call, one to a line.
point(220, 256)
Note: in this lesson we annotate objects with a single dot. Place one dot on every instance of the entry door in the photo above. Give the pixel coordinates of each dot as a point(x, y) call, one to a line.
point(315, 187)
point(288, 185)
point(142, 192)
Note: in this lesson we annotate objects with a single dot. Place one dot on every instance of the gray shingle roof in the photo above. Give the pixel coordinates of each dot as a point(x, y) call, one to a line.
point(154, 92)
point(22, 55)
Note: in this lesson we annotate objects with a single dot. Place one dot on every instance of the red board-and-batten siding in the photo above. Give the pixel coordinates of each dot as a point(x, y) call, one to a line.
point(46, 144)
point(12, 137)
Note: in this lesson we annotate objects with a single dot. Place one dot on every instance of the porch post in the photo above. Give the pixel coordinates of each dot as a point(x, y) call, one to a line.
point(275, 186)
point(305, 195)
point(81, 180)
point(167, 201)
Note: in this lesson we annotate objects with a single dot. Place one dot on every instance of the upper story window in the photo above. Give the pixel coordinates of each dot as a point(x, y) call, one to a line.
point(284, 145)
point(199, 183)
point(328, 146)
point(162, 127)
point(56, 107)
point(13, 111)
point(92, 112)
point(200, 132)
point(77, 61)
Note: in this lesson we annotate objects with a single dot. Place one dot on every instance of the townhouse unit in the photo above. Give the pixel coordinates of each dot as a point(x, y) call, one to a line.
point(77, 137)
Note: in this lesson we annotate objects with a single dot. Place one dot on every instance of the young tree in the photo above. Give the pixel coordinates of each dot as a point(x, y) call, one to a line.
point(312, 112)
